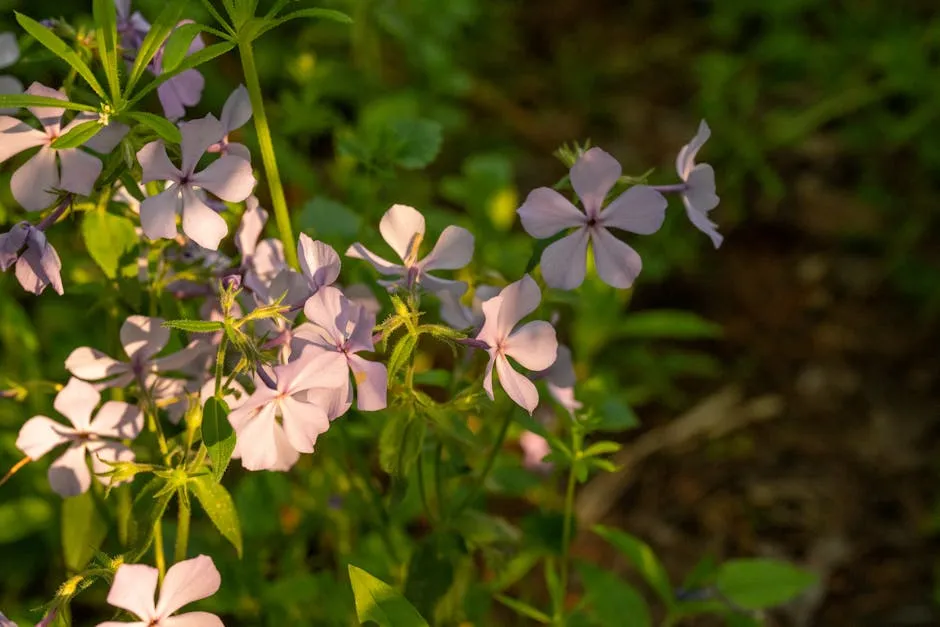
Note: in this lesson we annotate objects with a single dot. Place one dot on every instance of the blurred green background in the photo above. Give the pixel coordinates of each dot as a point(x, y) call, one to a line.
point(824, 298)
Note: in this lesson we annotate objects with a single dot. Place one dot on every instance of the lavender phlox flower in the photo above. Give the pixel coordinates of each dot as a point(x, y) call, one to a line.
point(69, 169)
point(533, 345)
point(135, 586)
point(545, 212)
point(460, 316)
point(403, 227)
point(235, 114)
point(9, 53)
point(362, 295)
point(184, 89)
point(560, 379)
point(278, 332)
point(37, 262)
point(98, 437)
point(262, 260)
point(229, 178)
point(699, 195)
point(263, 443)
point(132, 27)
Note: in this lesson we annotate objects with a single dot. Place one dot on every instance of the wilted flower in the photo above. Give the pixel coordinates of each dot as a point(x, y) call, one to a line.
point(235, 114)
point(98, 437)
point(38, 265)
point(265, 444)
point(184, 89)
point(533, 344)
point(403, 228)
point(132, 27)
point(69, 169)
point(229, 178)
point(135, 586)
point(9, 53)
point(545, 212)
point(261, 260)
point(699, 194)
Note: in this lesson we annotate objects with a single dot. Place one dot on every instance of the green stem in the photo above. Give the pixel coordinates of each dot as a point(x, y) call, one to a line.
point(158, 557)
point(220, 366)
point(182, 526)
point(275, 188)
point(566, 539)
point(422, 489)
point(438, 480)
point(490, 461)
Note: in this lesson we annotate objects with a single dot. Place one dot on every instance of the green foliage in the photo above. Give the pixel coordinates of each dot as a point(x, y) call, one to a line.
point(760, 583)
point(612, 601)
point(22, 517)
point(217, 503)
point(83, 532)
point(108, 238)
point(378, 602)
point(217, 435)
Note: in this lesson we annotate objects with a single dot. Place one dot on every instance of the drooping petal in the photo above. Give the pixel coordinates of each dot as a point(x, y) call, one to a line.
point(564, 396)
point(39, 264)
point(519, 299)
point(704, 224)
point(618, 265)
point(198, 135)
point(488, 374)
point(318, 261)
point(49, 117)
point(69, 475)
point(685, 160)
point(454, 313)
point(535, 448)
point(158, 213)
point(640, 209)
point(229, 178)
point(545, 212)
point(156, 164)
point(143, 337)
point(9, 50)
point(17, 136)
point(192, 619)
point(564, 262)
point(200, 223)
point(79, 171)
point(30, 184)
point(700, 198)
point(11, 243)
point(133, 590)
point(104, 453)
point(371, 383)
point(250, 228)
point(237, 110)
point(533, 345)
point(40, 434)
point(438, 286)
point(91, 364)
point(181, 91)
point(186, 582)
point(592, 177)
point(403, 228)
point(358, 251)
point(561, 372)
point(517, 386)
point(77, 401)
point(118, 420)
point(453, 250)
point(303, 423)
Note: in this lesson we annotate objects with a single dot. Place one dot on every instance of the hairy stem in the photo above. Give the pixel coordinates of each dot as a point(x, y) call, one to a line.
point(158, 558)
point(275, 188)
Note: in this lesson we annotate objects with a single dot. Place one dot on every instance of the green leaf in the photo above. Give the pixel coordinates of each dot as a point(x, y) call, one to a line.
point(22, 517)
point(218, 504)
point(326, 14)
point(524, 609)
point(105, 16)
point(166, 130)
point(83, 530)
point(195, 326)
point(159, 31)
point(379, 602)
point(148, 508)
point(402, 352)
point(194, 60)
point(108, 238)
point(329, 220)
point(178, 45)
point(416, 142)
point(643, 558)
point(78, 135)
point(431, 572)
point(59, 48)
point(759, 583)
point(400, 444)
point(611, 600)
point(19, 101)
point(601, 448)
point(666, 323)
point(217, 435)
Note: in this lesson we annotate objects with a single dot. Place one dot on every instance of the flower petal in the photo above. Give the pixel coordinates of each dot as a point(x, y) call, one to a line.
point(618, 265)
point(358, 251)
point(198, 135)
point(267, 262)
point(685, 160)
point(191, 353)
point(313, 367)
point(91, 364)
point(18, 136)
point(133, 590)
point(181, 91)
point(77, 401)
point(237, 110)
point(439, 286)
point(561, 372)
point(238, 150)
point(334, 401)
point(80, 170)
point(30, 184)
point(331, 311)
point(402, 227)
point(489, 332)
point(39, 264)
point(517, 386)
point(303, 423)
point(545, 212)
point(156, 165)
point(592, 177)
point(488, 375)
point(229, 178)
point(200, 223)
point(108, 138)
point(118, 420)
point(250, 228)
point(69, 475)
point(49, 117)
point(371, 383)
point(453, 250)
point(564, 262)
point(192, 619)
point(703, 224)
point(9, 50)
point(318, 261)
point(41, 434)
point(519, 299)
point(186, 582)
point(143, 335)
point(262, 443)
point(640, 209)
point(158, 213)
point(533, 345)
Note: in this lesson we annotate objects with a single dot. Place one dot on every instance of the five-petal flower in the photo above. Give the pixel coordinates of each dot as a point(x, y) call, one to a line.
point(699, 195)
point(235, 114)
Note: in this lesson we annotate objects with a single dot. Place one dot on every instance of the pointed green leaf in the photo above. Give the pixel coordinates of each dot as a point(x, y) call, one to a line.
point(108, 238)
point(159, 31)
point(524, 609)
point(105, 16)
point(148, 508)
point(379, 602)
point(178, 45)
point(217, 435)
point(194, 60)
point(59, 48)
point(218, 504)
point(195, 326)
point(401, 354)
point(78, 135)
point(643, 558)
point(760, 583)
point(166, 130)
point(400, 443)
point(325, 14)
point(83, 532)
point(17, 101)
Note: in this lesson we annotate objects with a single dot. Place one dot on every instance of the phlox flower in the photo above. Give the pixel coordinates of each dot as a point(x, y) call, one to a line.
point(9, 53)
point(68, 169)
point(403, 228)
point(229, 178)
point(262, 260)
point(339, 326)
point(135, 586)
point(264, 443)
point(132, 27)
point(37, 262)
point(97, 437)
point(142, 338)
point(699, 194)
point(460, 316)
point(235, 114)
point(545, 212)
point(560, 379)
point(319, 263)
point(533, 345)
point(184, 89)
point(534, 449)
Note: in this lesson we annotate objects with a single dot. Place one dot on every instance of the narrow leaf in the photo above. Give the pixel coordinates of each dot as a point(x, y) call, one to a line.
point(217, 435)
point(377, 601)
point(78, 135)
point(108, 238)
point(325, 14)
point(59, 48)
point(401, 354)
point(149, 505)
point(106, 34)
point(195, 326)
point(643, 558)
point(218, 504)
point(159, 31)
point(194, 60)
point(178, 45)
point(19, 101)
point(524, 609)
point(84, 531)
point(167, 131)
point(757, 583)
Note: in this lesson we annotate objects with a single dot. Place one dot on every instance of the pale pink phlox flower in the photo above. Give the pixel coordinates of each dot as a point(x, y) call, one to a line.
point(261, 259)
point(278, 332)
point(135, 586)
point(264, 443)
point(560, 380)
point(235, 114)
point(534, 450)
point(98, 437)
point(699, 195)
point(403, 228)
point(533, 345)
point(37, 262)
point(460, 316)
point(229, 178)
point(545, 212)
point(184, 89)
point(319, 263)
